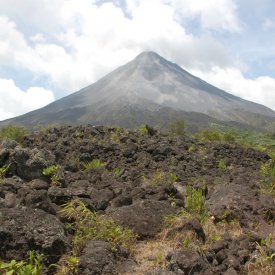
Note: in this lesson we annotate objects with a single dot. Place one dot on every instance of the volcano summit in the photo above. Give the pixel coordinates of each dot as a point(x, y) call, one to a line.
point(149, 89)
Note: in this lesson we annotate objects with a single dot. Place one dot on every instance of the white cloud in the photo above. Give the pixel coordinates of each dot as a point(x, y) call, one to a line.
point(269, 24)
point(33, 15)
point(97, 39)
point(260, 89)
point(219, 15)
point(73, 43)
point(15, 102)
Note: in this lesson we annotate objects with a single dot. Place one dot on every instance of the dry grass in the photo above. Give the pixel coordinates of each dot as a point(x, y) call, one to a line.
point(261, 264)
point(215, 231)
point(150, 255)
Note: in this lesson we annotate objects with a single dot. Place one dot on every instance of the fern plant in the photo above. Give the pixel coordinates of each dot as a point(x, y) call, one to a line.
point(52, 172)
point(89, 226)
point(32, 267)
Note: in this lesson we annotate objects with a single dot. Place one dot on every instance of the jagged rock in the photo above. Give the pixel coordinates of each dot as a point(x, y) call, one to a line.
point(144, 217)
point(4, 154)
point(188, 262)
point(30, 163)
point(8, 144)
point(39, 184)
point(97, 257)
point(24, 229)
point(135, 187)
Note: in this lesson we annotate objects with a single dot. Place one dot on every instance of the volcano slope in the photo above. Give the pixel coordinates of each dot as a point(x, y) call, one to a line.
point(97, 200)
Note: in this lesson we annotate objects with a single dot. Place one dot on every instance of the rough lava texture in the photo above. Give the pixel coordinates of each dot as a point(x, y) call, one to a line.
point(143, 179)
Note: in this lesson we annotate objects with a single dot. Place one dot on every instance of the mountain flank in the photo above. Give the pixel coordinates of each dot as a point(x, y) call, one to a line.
point(154, 86)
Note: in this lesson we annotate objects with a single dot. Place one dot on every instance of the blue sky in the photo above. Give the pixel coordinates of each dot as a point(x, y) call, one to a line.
point(51, 48)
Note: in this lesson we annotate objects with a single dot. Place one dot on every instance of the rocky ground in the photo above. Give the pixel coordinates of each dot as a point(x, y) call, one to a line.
point(193, 207)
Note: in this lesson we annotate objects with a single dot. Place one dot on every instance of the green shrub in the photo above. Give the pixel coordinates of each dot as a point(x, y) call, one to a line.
point(177, 128)
point(208, 135)
point(268, 173)
point(222, 165)
point(215, 135)
point(173, 177)
point(67, 266)
point(195, 200)
point(52, 172)
point(15, 132)
point(89, 226)
point(32, 267)
point(94, 164)
point(116, 173)
point(143, 129)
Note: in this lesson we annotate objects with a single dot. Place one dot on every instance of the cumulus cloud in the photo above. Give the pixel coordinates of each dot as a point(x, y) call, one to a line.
point(97, 39)
point(15, 101)
point(214, 14)
point(73, 43)
point(269, 24)
point(260, 89)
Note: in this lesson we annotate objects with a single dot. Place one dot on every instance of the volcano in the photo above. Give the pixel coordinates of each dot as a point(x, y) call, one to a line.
point(153, 90)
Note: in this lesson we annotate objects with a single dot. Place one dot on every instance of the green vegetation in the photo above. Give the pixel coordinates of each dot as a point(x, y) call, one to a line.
point(222, 165)
point(268, 173)
point(177, 128)
point(195, 207)
point(262, 264)
point(116, 135)
point(94, 164)
point(15, 132)
point(267, 241)
point(4, 170)
point(143, 129)
point(68, 265)
point(116, 173)
point(257, 140)
point(160, 177)
point(32, 267)
point(88, 225)
point(52, 173)
point(195, 201)
point(215, 135)
point(173, 177)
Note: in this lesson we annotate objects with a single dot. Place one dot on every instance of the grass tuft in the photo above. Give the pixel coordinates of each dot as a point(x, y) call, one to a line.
point(89, 226)
point(94, 164)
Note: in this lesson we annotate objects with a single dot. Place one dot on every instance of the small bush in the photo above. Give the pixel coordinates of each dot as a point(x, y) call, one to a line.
point(195, 200)
point(116, 173)
point(15, 132)
point(143, 129)
point(222, 165)
point(52, 173)
point(32, 267)
point(177, 128)
point(268, 173)
point(89, 226)
point(173, 177)
point(215, 135)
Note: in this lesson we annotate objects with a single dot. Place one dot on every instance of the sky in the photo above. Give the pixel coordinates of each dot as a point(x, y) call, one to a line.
point(51, 48)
